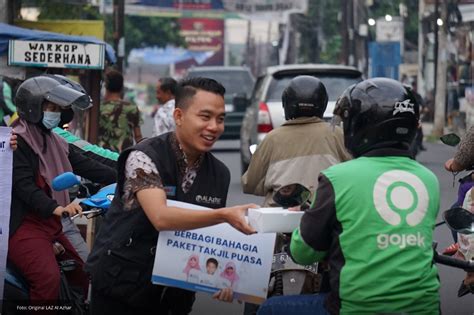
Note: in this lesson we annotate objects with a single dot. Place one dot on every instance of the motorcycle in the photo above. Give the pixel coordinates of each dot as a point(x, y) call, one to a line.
point(94, 204)
point(16, 289)
point(288, 277)
point(461, 221)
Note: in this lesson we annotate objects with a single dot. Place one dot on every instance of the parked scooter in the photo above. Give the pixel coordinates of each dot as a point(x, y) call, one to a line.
point(16, 290)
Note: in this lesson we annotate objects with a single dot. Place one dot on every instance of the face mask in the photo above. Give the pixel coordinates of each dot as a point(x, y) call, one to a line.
point(51, 119)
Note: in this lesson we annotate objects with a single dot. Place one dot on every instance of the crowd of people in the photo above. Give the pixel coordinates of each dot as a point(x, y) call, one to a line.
point(380, 120)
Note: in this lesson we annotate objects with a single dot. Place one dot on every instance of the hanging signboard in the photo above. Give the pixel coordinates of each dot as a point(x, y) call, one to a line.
point(27, 53)
point(389, 31)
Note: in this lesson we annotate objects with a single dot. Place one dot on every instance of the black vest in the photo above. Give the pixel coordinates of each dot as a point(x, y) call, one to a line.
point(129, 233)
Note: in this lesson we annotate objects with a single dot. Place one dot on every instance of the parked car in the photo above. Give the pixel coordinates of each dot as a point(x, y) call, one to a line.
point(238, 83)
point(265, 111)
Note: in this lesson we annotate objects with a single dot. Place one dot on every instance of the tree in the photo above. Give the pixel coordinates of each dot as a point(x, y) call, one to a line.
point(320, 34)
point(143, 32)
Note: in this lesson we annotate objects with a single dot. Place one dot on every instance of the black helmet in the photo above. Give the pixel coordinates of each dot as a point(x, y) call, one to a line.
point(33, 92)
point(304, 96)
point(377, 113)
point(68, 114)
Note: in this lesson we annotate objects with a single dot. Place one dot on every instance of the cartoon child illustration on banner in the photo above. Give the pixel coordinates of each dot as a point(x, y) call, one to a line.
point(192, 269)
point(210, 277)
point(211, 266)
point(230, 274)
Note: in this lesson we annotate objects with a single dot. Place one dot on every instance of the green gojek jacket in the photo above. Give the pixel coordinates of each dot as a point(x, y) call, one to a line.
point(372, 219)
point(95, 152)
point(6, 101)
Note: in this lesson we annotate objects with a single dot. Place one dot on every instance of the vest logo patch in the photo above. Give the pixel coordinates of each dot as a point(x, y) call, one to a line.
point(208, 200)
point(170, 191)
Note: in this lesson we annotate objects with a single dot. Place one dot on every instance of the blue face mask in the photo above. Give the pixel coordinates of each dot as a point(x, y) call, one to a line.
point(51, 119)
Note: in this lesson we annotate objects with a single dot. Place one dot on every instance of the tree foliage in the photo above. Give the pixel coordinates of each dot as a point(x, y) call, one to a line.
point(321, 18)
point(151, 31)
point(139, 31)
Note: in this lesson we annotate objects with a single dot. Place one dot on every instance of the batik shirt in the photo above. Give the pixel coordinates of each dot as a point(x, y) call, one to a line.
point(164, 121)
point(141, 173)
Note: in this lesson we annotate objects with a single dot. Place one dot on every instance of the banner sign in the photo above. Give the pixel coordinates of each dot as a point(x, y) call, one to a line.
point(55, 54)
point(214, 9)
point(265, 6)
point(204, 35)
point(184, 4)
point(6, 167)
point(238, 6)
point(216, 257)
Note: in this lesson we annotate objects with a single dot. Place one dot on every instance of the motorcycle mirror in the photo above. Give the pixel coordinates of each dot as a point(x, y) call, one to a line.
point(459, 220)
point(65, 181)
point(292, 195)
point(253, 148)
point(450, 139)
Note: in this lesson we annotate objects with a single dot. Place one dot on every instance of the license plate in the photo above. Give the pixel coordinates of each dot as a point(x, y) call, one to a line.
point(282, 261)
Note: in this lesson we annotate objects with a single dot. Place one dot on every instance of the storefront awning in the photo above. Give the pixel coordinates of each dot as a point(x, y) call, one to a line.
point(10, 32)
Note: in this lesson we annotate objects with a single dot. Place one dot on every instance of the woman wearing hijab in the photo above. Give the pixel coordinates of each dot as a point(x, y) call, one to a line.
point(230, 273)
point(192, 264)
point(36, 210)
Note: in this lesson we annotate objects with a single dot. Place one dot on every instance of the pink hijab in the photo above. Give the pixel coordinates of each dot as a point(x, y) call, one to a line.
point(52, 151)
point(188, 265)
point(232, 277)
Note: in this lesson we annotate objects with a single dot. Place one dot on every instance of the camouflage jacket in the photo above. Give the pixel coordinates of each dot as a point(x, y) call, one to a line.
point(117, 120)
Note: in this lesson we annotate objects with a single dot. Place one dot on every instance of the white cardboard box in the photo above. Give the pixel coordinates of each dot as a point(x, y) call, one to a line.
point(271, 220)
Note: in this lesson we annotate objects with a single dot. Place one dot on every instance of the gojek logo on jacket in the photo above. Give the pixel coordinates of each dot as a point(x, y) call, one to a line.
point(401, 199)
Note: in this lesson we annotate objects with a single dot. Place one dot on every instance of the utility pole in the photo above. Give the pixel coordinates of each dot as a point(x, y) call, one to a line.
point(436, 43)
point(344, 32)
point(352, 34)
point(285, 47)
point(247, 44)
point(420, 76)
point(4, 11)
point(440, 96)
point(119, 39)
point(7, 11)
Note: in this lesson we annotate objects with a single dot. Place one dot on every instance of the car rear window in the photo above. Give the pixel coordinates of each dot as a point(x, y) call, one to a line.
point(233, 81)
point(335, 85)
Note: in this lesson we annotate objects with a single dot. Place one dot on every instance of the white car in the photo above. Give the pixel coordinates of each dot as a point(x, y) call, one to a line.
point(265, 111)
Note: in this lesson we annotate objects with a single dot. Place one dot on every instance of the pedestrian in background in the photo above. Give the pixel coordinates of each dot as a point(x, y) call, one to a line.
point(119, 123)
point(165, 93)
